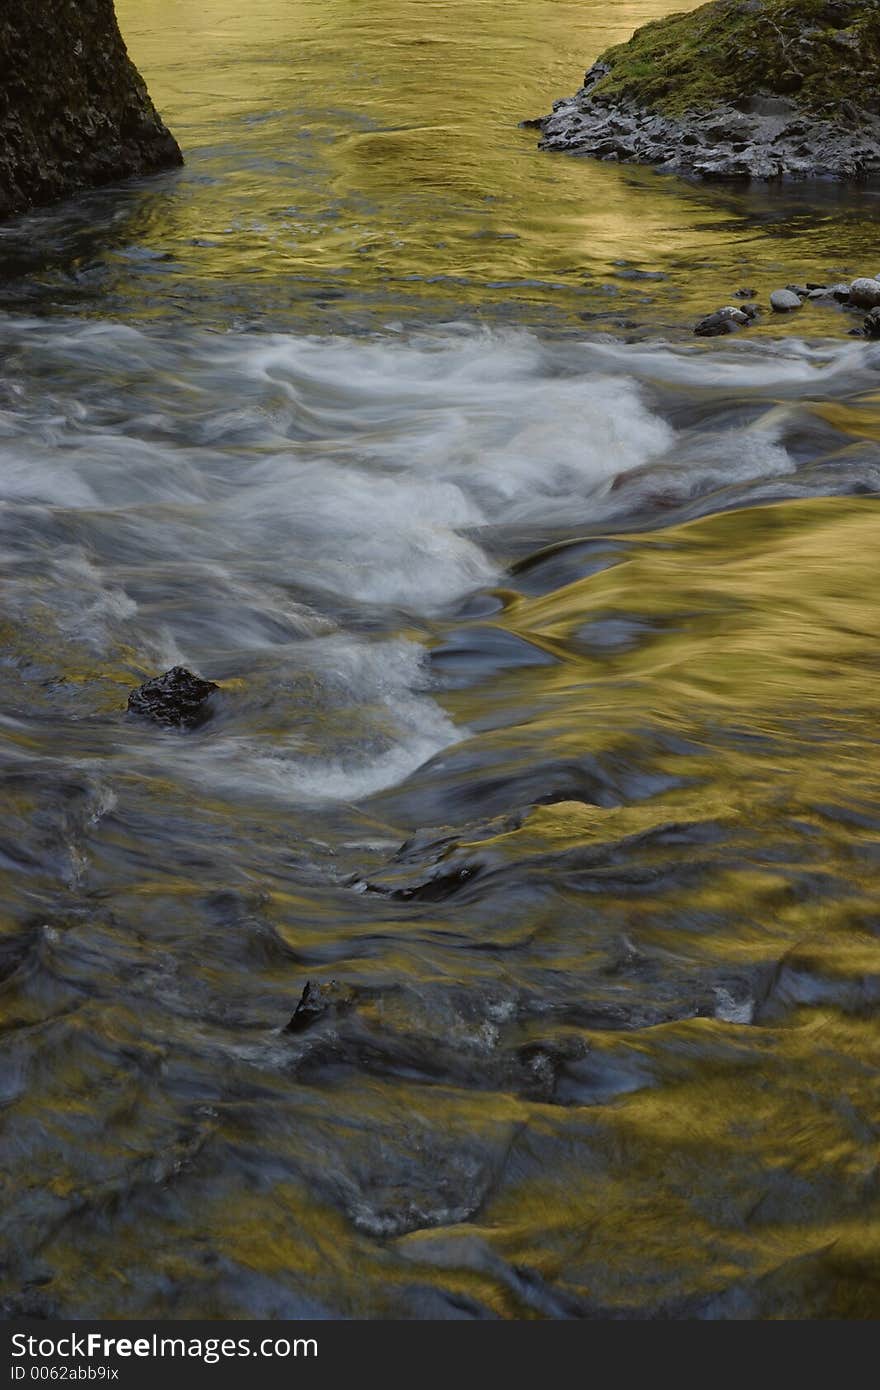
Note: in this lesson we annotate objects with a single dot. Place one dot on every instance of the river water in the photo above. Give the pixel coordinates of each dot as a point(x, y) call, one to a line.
point(547, 641)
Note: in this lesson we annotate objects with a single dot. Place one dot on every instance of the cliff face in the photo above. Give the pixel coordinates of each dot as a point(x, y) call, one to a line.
point(748, 88)
point(74, 111)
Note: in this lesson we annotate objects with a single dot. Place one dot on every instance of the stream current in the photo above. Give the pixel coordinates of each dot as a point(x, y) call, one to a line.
point(547, 645)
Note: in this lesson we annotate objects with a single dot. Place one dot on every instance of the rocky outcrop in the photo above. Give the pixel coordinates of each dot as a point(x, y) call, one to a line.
point(74, 111)
point(754, 89)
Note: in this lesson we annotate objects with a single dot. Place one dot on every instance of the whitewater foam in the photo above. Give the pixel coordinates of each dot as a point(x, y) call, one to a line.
point(247, 503)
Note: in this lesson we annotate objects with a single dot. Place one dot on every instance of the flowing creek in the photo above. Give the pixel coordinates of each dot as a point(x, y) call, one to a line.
point(547, 639)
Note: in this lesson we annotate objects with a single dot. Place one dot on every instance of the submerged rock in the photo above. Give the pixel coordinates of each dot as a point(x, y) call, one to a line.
point(829, 294)
point(327, 999)
point(176, 700)
point(748, 89)
point(478, 1037)
point(74, 111)
point(872, 325)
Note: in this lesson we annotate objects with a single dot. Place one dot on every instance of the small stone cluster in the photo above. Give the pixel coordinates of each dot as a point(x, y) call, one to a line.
point(860, 294)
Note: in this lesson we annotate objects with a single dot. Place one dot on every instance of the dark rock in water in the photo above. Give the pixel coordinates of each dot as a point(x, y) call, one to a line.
point(177, 700)
point(864, 293)
point(737, 89)
point(872, 325)
point(74, 111)
point(726, 320)
point(746, 294)
point(323, 1000)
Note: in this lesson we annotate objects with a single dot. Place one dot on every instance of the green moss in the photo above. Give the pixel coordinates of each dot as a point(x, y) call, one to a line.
point(823, 54)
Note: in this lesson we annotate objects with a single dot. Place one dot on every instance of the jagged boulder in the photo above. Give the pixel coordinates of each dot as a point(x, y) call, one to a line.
point(763, 89)
point(176, 700)
point(74, 111)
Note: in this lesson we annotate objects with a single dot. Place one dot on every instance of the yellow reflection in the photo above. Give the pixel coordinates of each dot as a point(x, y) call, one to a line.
point(381, 142)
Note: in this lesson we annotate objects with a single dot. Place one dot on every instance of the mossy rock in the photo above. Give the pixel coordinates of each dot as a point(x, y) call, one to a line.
point(822, 54)
point(738, 89)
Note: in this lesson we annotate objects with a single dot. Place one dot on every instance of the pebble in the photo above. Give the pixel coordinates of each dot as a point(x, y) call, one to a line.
point(783, 301)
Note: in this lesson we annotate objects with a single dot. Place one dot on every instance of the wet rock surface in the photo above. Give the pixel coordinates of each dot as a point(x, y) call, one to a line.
point(320, 1001)
point(783, 301)
point(74, 111)
point(722, 144)
point(723, 321)
point(175, 700)
point(864, 293)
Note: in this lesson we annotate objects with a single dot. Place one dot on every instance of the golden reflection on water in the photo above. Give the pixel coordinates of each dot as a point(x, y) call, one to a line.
point(378, 144)
point(733, 1158)
point(766, 607)
point(759, 642)
point(169, 1157)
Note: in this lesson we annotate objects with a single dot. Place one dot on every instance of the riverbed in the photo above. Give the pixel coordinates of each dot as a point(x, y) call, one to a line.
point(546, 639)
